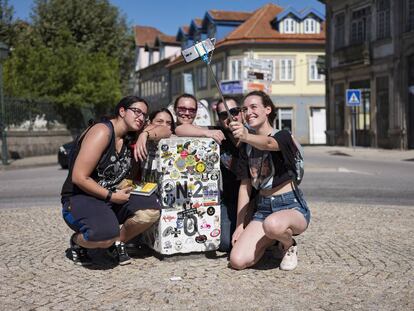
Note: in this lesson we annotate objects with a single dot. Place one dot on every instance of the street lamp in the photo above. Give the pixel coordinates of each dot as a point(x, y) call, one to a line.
point(4, 53)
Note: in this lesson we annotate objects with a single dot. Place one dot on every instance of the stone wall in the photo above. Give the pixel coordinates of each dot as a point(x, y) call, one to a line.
point(35, 143)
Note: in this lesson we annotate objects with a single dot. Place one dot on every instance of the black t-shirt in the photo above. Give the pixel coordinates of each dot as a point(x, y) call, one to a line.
point(112, 168)
point(266, 169)
point(229, 165)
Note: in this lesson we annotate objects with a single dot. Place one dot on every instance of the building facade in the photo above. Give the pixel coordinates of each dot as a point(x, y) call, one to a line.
point(370, 46)
point(271, 49)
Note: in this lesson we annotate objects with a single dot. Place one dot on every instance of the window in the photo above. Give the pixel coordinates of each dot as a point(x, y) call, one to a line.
point(235, 69)
point(211, 30)
point(289, 25)
point(310, 25)
point(382, 110)
point(176, 83)
point(383, 19)
point(283, 120)
point(339, 108)
point(360, 25)
point(313, 71)
point(410, 12)
point(218, 71)
point(286, 70)
point(339, 30)
point(202, 77)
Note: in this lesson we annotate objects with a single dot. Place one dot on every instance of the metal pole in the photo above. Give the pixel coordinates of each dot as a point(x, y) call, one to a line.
point(353, 127)
point(4, 152)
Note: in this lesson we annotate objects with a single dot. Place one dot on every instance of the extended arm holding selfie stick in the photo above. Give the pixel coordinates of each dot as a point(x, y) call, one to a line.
point(202, 49)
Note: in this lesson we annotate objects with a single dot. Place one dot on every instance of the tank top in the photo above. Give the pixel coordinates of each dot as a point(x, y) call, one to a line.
point(112, 168)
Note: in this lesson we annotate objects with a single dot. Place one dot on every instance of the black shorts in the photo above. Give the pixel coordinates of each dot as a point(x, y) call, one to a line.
point(98, 220)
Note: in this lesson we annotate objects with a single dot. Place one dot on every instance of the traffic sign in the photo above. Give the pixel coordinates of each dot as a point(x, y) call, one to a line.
point(353, 97)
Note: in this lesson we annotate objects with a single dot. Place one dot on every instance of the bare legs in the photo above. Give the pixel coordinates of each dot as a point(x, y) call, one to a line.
point(257, 236)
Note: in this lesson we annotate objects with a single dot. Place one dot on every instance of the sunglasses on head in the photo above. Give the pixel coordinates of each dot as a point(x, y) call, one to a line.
point(233, 111)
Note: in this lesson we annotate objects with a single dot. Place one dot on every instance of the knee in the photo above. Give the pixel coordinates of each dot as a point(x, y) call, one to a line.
point(273, 228)
point(146, 216)
point(237, 260)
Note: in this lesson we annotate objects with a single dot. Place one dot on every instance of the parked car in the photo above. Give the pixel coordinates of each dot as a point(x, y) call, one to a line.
point(63, 154)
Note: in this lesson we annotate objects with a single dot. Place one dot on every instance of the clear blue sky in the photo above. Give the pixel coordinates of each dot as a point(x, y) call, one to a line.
point(169, 15)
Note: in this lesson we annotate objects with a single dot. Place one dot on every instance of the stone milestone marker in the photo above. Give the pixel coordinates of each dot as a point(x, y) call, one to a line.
point(188, 171)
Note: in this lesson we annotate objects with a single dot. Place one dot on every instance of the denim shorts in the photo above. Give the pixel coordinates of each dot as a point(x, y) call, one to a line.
point(271, 204)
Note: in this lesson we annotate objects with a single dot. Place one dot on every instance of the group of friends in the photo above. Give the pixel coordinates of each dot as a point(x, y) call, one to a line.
point(261, 207)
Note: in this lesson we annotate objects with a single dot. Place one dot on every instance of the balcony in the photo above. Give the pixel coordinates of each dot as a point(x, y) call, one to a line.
point(354, 54)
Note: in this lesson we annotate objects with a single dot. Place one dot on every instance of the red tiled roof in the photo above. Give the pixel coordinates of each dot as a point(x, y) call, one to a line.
point(258, 28)
point(145, 35)
point(168, 39)
point(229, 15)
point(198, 22)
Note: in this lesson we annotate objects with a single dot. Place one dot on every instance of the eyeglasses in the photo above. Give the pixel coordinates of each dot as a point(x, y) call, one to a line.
point(138, 112)
point(191, 111)
point(233, 111)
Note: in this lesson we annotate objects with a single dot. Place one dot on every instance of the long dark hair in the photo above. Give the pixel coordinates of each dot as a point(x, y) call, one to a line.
point(154, 114)
point(267, 102)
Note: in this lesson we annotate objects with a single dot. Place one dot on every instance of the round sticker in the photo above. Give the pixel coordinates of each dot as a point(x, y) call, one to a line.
point(164, 147)
point(180, 164)
point(215, 233)
point(200, 167)
point(214, 157)
point(211, 211)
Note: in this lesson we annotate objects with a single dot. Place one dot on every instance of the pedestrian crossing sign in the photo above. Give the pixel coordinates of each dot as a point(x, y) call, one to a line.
point(353, 97)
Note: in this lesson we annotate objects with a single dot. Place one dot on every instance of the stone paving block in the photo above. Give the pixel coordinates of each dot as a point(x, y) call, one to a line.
point(352, 257)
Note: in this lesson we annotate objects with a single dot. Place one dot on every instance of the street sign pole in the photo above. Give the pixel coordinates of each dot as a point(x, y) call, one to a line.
point(353, 127)
point(353, 100)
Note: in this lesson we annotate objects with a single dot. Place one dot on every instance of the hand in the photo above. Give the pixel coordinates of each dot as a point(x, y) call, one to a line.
point(121, 196)
point(217, 135)
point(237, 233)
point(239, 130)
point(140, 149)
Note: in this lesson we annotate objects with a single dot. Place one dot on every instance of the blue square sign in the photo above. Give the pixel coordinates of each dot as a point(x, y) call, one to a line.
point(353, 97)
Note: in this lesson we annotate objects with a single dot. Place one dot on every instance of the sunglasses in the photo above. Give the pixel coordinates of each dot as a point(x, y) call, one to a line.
point(138, 112)
point(191, 111)
point(233, 111)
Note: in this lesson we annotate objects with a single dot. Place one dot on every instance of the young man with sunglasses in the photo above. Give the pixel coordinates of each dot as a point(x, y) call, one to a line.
point(229, 155)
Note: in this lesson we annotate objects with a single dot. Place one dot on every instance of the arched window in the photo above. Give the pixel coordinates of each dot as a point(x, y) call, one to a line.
point(289, 25)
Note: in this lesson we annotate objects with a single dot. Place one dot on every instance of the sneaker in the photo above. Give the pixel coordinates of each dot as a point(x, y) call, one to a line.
point(290, 259)
point(118, 251)
point(79, 254)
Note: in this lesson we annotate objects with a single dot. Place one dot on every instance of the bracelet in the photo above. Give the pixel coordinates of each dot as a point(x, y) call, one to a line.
point(108, 196)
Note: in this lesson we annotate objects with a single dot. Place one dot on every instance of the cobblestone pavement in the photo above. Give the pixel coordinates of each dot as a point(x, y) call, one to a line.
point(351, 258)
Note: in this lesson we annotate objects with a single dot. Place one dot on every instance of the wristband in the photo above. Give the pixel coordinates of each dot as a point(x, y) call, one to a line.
point(108, 196)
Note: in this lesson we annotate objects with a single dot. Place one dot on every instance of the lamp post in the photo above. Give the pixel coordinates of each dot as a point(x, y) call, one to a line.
point(4, 53)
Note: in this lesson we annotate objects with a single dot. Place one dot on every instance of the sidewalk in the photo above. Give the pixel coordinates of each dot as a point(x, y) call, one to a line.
point(352, 257)
point(358, 152)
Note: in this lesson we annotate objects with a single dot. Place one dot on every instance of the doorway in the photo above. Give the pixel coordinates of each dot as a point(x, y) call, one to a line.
point(317, 126)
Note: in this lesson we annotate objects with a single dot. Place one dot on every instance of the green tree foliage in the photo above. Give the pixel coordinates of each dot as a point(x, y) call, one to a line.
point(73, 54)
point(6, 22)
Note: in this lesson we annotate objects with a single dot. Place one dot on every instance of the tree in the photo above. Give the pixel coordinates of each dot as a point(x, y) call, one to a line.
point(6, 22)
point(73, 55)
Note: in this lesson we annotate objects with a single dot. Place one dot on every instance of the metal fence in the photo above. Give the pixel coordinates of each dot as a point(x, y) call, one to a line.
point(25, 112)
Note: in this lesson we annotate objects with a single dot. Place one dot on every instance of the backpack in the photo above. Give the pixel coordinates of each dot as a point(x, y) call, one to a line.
point(298, 170)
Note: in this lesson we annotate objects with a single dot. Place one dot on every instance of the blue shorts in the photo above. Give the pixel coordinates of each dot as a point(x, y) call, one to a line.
point(269, 205)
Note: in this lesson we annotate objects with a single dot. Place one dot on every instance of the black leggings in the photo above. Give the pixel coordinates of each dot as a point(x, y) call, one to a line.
point(98, 220)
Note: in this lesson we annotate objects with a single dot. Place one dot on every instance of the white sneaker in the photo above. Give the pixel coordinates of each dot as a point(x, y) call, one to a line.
point(290, 260)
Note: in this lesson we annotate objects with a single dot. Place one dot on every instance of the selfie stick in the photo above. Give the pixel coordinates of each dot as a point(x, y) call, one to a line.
point(203, 51)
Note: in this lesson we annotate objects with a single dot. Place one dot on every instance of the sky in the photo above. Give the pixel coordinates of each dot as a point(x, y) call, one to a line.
point(169, 15)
